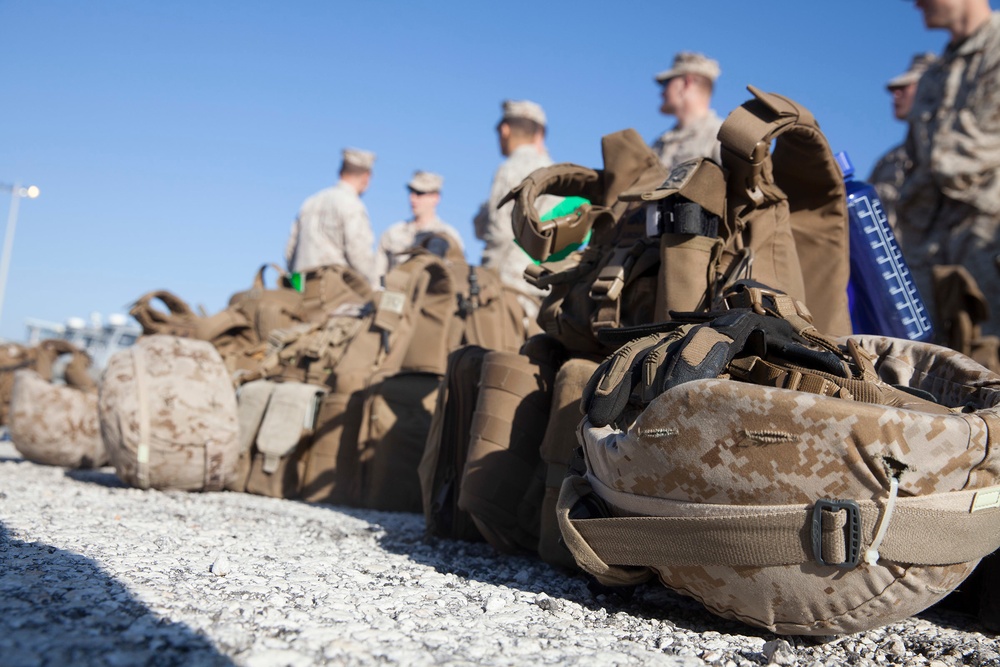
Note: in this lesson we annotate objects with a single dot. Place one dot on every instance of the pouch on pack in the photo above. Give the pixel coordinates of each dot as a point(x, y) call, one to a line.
point(503, 482)
point(394, 426)
point(447, 446)
point(556, 452)
point(276, 423)
point(57, 424)
point(168, 415)
point(790, 480)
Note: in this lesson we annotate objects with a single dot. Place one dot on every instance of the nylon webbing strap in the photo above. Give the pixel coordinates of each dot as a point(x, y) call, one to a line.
point(746, 136)
point(916, 535)
point(518, 381)
point(142, 397)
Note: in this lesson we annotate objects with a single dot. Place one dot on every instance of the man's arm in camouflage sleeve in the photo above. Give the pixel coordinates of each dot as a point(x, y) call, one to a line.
point(966, 156)
point(358, 242)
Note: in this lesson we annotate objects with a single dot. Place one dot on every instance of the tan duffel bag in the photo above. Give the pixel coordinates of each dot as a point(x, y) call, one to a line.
point(168, 415)
point(13, 357)
point(56, 424)
point(799, 483)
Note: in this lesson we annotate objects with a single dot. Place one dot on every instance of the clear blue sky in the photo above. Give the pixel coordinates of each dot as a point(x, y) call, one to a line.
point(173, 142)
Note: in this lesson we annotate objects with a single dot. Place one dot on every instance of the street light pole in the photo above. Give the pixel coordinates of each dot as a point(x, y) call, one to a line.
point(16, 192)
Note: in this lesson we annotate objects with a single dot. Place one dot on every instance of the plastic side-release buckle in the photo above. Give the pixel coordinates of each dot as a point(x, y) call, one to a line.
point(852, 531)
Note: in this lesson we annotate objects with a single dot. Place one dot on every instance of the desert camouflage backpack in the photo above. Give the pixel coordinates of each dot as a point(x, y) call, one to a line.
point(168, 415)
point(664, 242)
point(57, 424)
point(793, 481)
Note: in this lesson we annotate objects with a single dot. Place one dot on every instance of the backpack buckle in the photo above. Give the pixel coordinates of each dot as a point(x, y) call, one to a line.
point(852, 531)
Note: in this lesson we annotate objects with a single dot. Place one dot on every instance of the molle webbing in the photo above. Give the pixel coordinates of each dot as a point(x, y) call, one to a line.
point(923, 530)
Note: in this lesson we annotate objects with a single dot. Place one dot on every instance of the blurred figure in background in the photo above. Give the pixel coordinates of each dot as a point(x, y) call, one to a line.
point(949, 205)
point(332, 226)
point(425, 195)
point(687, 95)
point(521, 132)
point(890, 170)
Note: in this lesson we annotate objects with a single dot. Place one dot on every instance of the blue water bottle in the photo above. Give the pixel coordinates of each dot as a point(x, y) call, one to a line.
point(883, 298)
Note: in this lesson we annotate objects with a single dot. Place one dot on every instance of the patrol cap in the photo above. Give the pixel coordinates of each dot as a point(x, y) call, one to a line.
point(525, 109)
point(689, 62)
point(359, 158)
point(918, 65)
point(425, 181)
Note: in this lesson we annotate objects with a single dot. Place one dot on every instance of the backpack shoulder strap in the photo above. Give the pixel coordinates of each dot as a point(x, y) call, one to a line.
point(803, 171)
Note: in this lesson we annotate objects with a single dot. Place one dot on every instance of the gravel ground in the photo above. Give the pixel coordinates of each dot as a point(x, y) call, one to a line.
point(94, 573)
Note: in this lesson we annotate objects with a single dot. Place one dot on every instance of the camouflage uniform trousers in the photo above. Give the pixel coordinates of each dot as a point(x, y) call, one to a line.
point(957, 233)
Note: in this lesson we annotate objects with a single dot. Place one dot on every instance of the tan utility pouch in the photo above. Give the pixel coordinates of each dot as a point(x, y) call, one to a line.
point(557, 450)
point(276, 425)
point(504, 466)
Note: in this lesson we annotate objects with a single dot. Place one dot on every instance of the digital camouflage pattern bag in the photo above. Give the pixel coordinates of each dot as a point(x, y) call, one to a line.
point(13, 357)
point(57, 424)
point(168, 415)
point(796, 482)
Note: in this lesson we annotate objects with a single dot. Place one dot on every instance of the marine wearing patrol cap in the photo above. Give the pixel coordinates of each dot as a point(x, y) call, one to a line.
point(525, 109)
point(425, 181)
point(918, 66)
point(358, 158)
point(689, 62)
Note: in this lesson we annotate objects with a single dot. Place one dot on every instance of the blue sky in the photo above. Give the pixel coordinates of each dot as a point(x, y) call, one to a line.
point(173, 142)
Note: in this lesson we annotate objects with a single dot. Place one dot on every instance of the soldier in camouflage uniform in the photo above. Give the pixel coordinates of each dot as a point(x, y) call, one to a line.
point(522, 141)
point(949, 205)
point(687, 95)
point(890, 171)
point(332, 226)
point(425, 195)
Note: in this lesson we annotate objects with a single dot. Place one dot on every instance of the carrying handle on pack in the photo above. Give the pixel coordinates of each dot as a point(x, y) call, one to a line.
point(75, 373)
point(155, 321)
point(541, 239)
point(258, 279)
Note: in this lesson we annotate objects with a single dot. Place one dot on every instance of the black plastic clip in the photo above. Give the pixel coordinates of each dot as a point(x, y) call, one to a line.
point(852, 531)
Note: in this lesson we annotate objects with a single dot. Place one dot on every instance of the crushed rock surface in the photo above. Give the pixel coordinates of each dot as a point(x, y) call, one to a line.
point(95, 573)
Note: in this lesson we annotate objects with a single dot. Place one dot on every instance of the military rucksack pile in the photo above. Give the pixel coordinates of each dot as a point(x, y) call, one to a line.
point(56, 423)
point(659, 243)
point(793, 481)
point(240, 331)
point(369, 376)
point(168, 415)
point(663, 242)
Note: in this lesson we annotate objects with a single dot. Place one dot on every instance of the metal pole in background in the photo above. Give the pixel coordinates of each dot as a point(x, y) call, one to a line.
point(16, 192)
